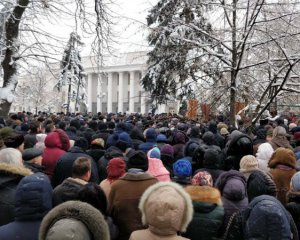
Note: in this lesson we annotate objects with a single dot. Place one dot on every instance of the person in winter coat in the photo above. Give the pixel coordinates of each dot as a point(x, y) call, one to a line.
point(232, 185)
point(126, 192)
point(96, 150)
point(239, 145)
point(40, 141)
point(212, 162)
point(283, 167)
point(33, 200)
point(265, 218)
point(260, 138)
point(166, 210)
point(260, 183)
point(93, 194)
point(220, 141)
point(179, 140)
point(63, 168)
point(161, 140)
point(57, 143)
point(293, 199)
point(248, 164)
point(167, 157)
point(279, 139)
point(182, 170)
point(12, 171)
point(263, 155)
point(208, 213)
point(155, 166)
point(137, 137)
point(150, 136)
point(14, 140)
point(69, 188)
point(74, 218)
point(32, 158)
point(116, 168)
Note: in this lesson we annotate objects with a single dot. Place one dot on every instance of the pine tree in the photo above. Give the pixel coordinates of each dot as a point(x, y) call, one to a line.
point(72, 72)
point(176, 58)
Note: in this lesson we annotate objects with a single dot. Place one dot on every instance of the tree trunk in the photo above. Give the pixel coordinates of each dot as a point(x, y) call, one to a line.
point(11, 53)
point(234, 64)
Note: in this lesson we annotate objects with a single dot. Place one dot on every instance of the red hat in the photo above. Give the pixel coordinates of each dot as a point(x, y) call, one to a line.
point(116, 168)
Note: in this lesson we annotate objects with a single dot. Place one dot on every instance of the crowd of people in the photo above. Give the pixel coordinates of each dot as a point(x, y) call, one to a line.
point(142, 177)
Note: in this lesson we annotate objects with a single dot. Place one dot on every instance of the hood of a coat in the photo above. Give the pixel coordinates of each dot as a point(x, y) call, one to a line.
point(166, 208)
point(204, 194)
point(11, 172)
point(83, 212)
point(58, 139)
point(156, 167)
point(283, 156)
point(33, 197)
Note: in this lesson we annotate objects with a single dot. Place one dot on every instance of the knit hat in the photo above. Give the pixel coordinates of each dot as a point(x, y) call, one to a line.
point(248, 163)
point(116, 168)
point(14, 140)
point(224, 131)
point(260, 183)
point(202, 178)
point(4, 132)
point(182, 168)
point(295, 182)
point(31, 153)
point(154, 153)
point(99, 142)
point(82, 143)
point(138, 160)
point(167, 149)
point(150, 134)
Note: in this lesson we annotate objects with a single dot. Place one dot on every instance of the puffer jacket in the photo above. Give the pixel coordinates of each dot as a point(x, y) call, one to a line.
point(10, 176)
point(232, 186)
point(157, 169)
point(167, 209)
point(57, 143)
point(264, 218)
point(85, 216)
point(293, 206)
point(208, 213)
point(33, 201)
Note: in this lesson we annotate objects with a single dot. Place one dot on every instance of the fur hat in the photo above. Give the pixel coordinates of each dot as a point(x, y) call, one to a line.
point(202, 178)
point(14, 140)
point(182, 168)
point(283, 156)
point(138, 160)
point(166, 206)
point(204, 194)
point(167, 149)
point(98, 141)
point(116, 168)
point(154, 153)
point(224, 131)
point(248, 163)
point(295, 182)
point(260, 183)
point(31, 153)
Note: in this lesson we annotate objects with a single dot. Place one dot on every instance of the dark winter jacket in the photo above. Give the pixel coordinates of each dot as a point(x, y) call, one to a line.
point(232, 186)
point(168, 161)
point(240, 145)
point(33, 201)
point(137, 137)
point(208, 213)
point(35, 168)
point(218, 138)
point(110, 153)
point(10, 176)
point(293, 206)
point(67, 190)
point(96, 154)
point(63, 168)
point(56, 144)
point(180, 140)
point(150, 140)
point(264, 219)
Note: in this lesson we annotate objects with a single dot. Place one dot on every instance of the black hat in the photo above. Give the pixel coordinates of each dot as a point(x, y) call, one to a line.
point(138, 160)
point(14, 140)
point(31, 153)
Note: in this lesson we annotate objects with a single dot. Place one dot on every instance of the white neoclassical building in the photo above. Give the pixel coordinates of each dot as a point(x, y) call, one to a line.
point(115, 86)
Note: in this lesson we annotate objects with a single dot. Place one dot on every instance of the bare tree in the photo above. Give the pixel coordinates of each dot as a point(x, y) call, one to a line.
point(22, 41)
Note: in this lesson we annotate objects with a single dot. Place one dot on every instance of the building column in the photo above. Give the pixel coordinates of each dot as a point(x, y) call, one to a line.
point(99, 93)
point(89, 93)
point(121, 92)
point(131, 89)
point(144, 97)
point(109, 92)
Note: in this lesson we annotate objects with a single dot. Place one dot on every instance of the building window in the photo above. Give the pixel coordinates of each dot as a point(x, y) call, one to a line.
point(140, 96)
point(128, 79)
point(117, 96)
point(128, 95)
point(118, 81)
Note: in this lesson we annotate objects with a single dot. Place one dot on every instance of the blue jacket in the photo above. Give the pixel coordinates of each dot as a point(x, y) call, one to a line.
point(33, 200)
